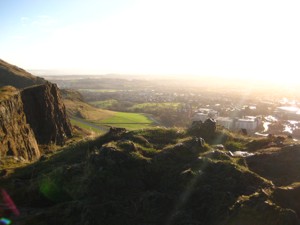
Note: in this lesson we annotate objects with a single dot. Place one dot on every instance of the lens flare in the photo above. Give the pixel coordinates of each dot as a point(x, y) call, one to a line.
point(5, 221)
point(9, 202)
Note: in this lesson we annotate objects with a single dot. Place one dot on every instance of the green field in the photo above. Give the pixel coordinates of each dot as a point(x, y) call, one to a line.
point(130, 121)
point(87, 126)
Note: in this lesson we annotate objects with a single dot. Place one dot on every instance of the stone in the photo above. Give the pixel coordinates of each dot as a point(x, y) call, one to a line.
point(16, 136)
point(46, 114)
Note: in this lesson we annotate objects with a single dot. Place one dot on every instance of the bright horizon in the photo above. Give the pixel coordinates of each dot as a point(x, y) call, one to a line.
point(249, 39)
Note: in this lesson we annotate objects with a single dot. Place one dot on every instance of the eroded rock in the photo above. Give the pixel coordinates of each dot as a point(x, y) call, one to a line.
point(46, 114)
point(16, 136)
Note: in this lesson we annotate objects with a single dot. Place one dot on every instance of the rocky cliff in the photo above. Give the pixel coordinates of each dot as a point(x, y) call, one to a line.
point(42, 103)
point(17, 77)
point(46, 113)
point(16, 136)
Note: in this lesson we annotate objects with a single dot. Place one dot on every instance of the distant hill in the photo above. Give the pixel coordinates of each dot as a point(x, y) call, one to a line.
point(17, 77)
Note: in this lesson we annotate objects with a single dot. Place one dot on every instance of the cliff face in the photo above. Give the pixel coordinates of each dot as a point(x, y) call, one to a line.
point(16, 136)
point(46, 113)
point(17, 77)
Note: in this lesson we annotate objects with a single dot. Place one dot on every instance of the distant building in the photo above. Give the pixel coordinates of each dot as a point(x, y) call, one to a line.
point(203, 114)
point(249, 123)
point(288, 112)
point(226, 122)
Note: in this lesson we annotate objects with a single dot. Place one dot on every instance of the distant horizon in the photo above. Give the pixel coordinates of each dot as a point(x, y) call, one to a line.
point(260, 82)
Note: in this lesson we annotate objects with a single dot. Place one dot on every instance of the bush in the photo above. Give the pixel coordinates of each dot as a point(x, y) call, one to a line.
point(234, 146)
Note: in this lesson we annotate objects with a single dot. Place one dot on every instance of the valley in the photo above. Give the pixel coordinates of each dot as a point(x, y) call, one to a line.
point(137, 151)
point(87, 116)
point(142, 112)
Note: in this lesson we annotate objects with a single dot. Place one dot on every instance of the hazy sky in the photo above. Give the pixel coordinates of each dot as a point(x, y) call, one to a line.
point(258, 38)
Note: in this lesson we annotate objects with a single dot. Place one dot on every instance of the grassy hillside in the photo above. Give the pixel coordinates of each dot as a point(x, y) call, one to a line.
point(76, 108)
point(153, 176)
point(92, 128)
point(17, 77)
point(88, 117)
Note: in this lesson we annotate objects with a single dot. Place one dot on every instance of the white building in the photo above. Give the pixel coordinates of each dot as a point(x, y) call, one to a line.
point(247, 124)
point(250, 123)
point(288, 112)
point(200, 117)
point(226, 122)
point(203, 114)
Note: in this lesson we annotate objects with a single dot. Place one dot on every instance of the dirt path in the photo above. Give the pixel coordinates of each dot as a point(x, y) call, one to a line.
point(90, 124)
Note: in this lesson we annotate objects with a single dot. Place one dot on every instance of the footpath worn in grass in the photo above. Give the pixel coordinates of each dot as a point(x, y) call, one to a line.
point(86, 126)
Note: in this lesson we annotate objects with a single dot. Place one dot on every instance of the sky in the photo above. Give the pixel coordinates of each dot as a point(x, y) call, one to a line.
point(233, 38)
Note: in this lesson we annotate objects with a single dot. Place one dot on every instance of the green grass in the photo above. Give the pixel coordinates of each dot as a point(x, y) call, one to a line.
point(104, 104)
point(130, 121)
point(85, 126)
point(124, 117)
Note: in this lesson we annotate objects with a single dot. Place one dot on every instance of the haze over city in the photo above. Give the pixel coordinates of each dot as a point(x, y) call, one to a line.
point(149, 112)
point(257, 39)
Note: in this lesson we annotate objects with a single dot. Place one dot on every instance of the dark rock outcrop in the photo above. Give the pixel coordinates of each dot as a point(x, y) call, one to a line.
point(280, 165)
point(206, 130)
point(46, 113)
point(16, 137)
point(17, 77)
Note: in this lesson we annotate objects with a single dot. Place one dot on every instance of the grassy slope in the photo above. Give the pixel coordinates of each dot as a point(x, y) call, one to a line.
point(157, 176)
point(86, 111)
point(141, 106)
point(101, 117)
point(76, 122)
point(17, 77)
point(15, 70)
